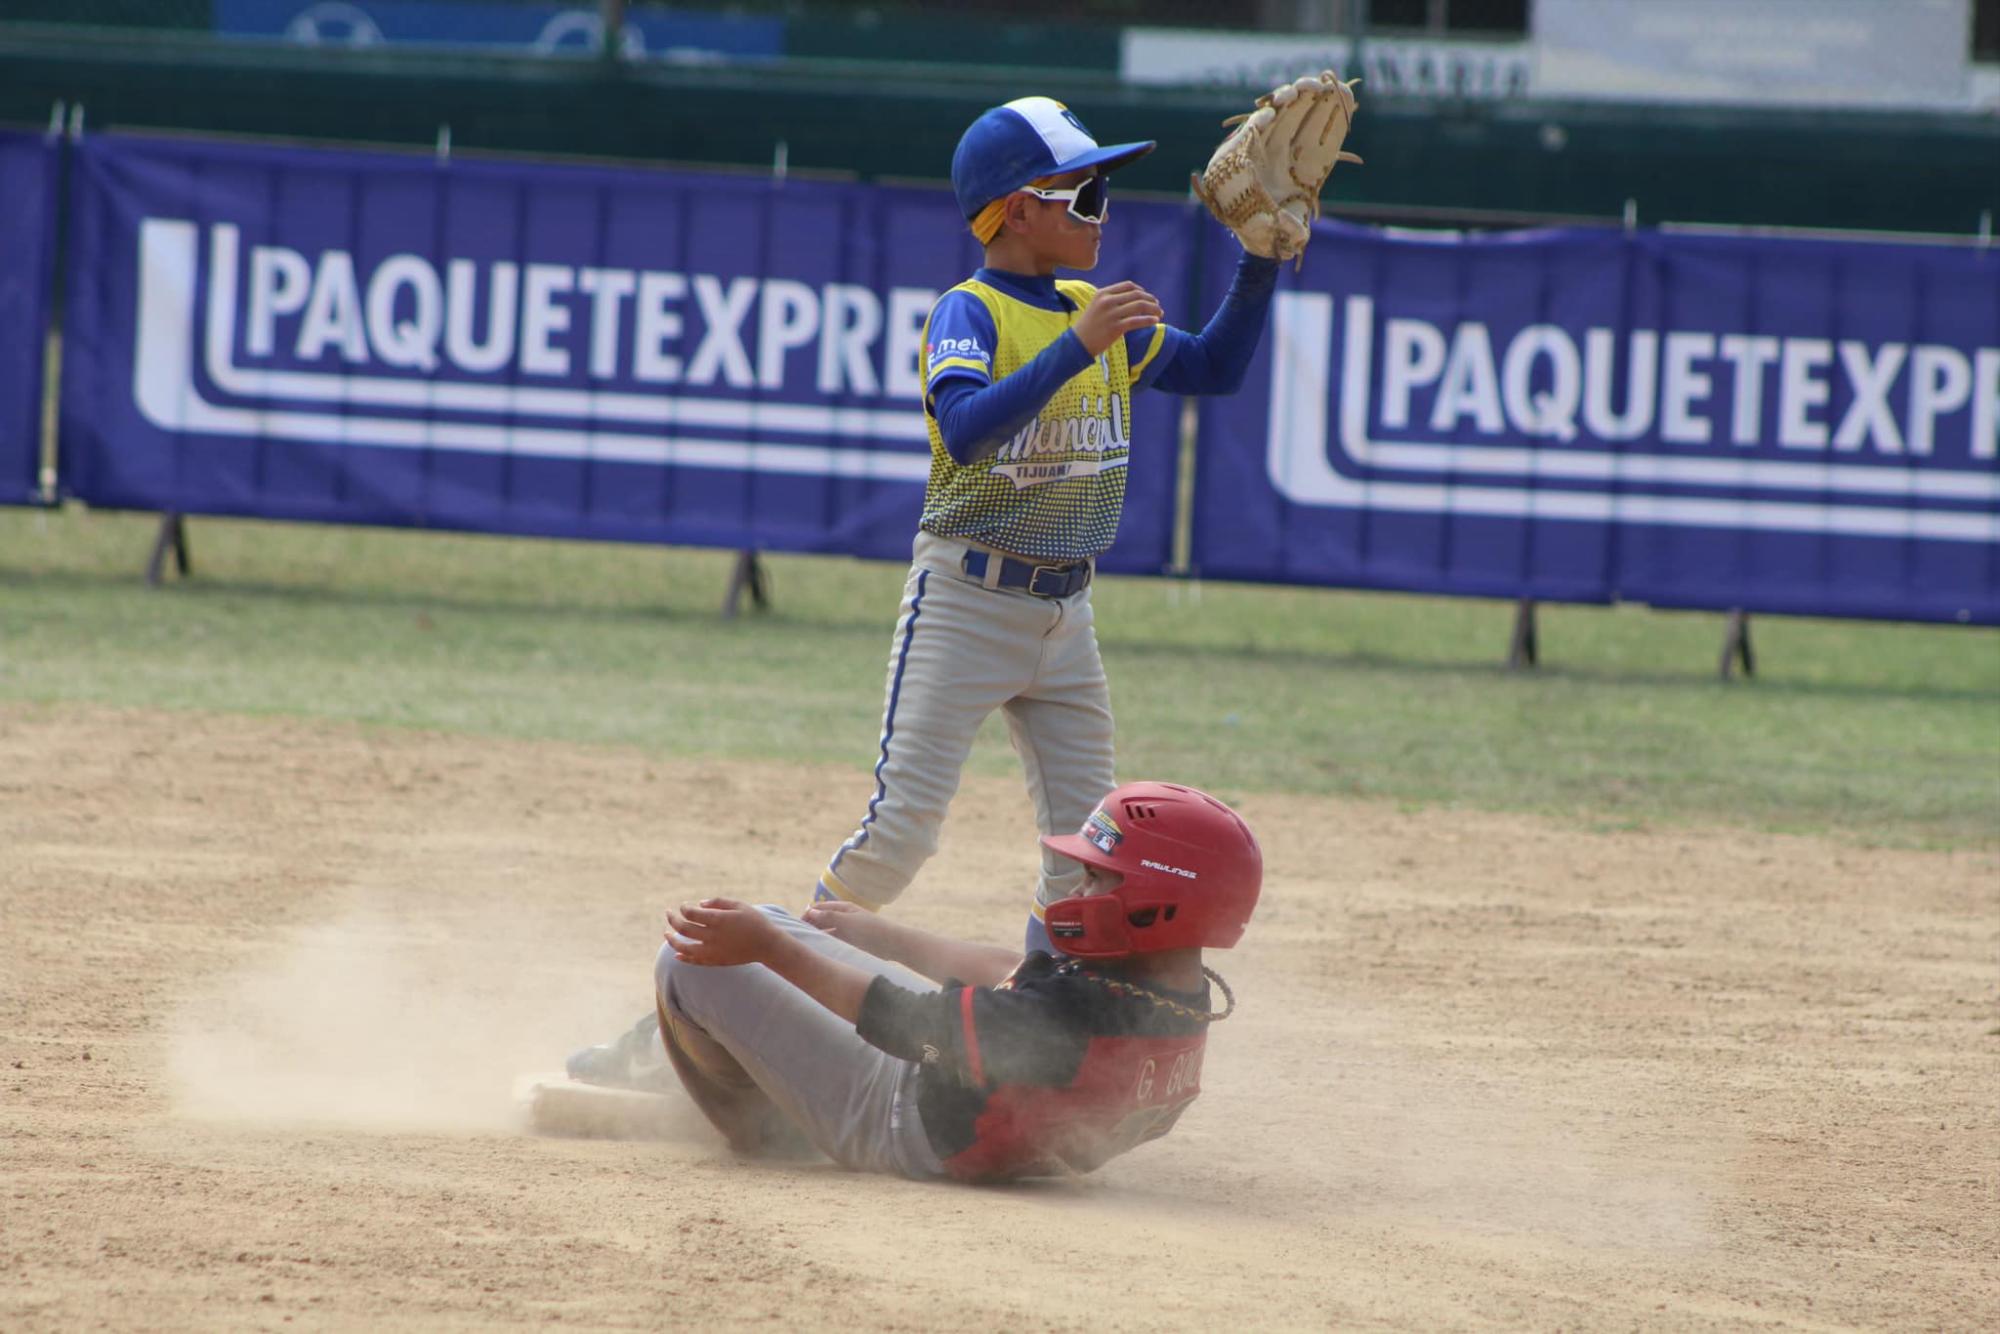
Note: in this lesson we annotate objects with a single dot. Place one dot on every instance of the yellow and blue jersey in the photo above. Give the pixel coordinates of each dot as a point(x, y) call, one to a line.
point(1054, 488)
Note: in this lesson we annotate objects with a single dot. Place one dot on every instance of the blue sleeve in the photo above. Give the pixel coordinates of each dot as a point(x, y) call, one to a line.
point(959, 339)
point(1214, 360)
point(975, 416)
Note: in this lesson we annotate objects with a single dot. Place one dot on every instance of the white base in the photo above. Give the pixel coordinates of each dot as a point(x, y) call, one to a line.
point(559, 1105)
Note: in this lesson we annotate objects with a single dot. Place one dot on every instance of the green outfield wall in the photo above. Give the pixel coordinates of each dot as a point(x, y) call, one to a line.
point(901, 118)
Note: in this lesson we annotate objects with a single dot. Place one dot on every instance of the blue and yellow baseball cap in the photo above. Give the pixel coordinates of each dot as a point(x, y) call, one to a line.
point(1022, 141)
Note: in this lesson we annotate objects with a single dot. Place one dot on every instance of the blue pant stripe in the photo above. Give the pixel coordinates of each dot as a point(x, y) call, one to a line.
point(888, 723)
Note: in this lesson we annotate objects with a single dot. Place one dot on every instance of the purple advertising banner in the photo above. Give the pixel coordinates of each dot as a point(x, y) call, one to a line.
point(1775, 424)
point(27, 263)
point(699, 358)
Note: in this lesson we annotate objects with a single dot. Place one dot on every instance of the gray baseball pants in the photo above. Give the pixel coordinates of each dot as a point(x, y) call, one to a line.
point(962, 650)
point(768, 1064)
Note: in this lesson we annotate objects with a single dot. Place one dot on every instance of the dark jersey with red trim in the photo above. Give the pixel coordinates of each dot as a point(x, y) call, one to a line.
point(1052, 1070)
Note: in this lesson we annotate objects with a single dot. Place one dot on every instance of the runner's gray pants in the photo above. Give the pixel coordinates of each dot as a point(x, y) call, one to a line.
point(747, 1042)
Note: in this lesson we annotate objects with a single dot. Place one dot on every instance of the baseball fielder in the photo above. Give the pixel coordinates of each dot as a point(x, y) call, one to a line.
point(827, 1032)
point(1028, 403)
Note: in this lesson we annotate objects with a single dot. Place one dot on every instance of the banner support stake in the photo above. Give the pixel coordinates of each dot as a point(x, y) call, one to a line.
point(1736, 646)
point(1631, 215)
point(1524, 651)
point(56, 112)
point(172, 535)
point(748, 573)
point(444, 143)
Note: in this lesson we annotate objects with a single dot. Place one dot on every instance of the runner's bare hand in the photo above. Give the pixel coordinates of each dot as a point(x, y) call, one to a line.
point(720, 932)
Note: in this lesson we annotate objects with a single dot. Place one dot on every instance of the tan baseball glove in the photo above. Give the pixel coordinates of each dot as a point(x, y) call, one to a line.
point(1263, 183)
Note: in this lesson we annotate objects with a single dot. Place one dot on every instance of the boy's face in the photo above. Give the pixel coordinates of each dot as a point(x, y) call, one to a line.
point(1049, 229)
point(1098, 880)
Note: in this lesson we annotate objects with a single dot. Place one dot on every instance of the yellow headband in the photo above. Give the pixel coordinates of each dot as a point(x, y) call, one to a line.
point(987, 225)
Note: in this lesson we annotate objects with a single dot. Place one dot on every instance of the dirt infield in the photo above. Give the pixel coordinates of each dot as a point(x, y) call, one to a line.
point(267, 985)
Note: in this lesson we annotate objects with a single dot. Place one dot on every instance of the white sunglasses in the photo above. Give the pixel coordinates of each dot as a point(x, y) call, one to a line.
point(1088, 202)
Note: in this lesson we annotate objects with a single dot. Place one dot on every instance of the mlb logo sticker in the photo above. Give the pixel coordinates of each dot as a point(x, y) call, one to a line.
point(1102, 833)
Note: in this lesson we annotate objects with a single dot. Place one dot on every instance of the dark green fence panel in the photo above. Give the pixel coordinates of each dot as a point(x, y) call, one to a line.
point(1878, 172)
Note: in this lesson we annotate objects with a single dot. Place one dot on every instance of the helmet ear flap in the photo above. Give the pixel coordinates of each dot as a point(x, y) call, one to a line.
point(1089, 927)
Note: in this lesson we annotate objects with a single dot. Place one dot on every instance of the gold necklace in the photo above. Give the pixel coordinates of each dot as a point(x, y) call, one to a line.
point(1133, 989)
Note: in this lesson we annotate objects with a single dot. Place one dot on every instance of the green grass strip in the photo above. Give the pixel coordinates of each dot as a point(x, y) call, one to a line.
point(1883, 733)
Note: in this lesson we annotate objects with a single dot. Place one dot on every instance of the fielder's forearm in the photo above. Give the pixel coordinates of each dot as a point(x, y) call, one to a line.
point(975, 419)
point(1215, 360)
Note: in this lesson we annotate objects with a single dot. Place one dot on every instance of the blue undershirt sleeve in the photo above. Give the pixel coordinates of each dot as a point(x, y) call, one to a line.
point(1214, 361)
point(976, 418)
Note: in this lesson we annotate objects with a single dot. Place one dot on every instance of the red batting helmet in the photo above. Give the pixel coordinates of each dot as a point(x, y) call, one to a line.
point(1191, 872)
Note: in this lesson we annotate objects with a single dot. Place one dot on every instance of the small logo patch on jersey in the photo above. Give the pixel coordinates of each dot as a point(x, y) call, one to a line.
point(1102, 833)
point(947, 349)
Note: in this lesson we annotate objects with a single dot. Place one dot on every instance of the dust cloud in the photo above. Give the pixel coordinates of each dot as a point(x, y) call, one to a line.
point(376, 1021)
